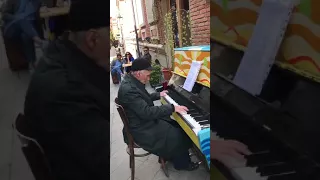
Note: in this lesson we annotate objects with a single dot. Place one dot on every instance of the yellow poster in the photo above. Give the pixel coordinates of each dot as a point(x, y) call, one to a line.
point(183, 58)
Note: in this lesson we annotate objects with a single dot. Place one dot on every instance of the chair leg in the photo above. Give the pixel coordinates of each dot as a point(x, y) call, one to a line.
point(132, 168)
point(164, 167)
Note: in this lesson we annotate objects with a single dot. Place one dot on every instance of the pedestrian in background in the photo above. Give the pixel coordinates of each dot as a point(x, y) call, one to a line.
point(147, 55)
point(116, 69)
point(128, 60)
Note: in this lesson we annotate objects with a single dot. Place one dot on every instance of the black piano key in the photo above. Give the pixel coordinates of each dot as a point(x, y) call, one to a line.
point(204, 122)
point(201, 119)
point(194, 114)
point(273, 169)
point(291, 176)
point(256, 160)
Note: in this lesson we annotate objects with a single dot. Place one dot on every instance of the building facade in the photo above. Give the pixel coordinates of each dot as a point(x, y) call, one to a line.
point(151, 21)
point(115, 28)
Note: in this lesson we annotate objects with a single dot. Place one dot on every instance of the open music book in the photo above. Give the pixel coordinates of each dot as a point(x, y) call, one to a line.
point(192, 75)
point(263, 46)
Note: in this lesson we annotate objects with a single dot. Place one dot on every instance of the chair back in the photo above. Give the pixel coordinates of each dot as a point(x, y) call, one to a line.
point(32, 150)
point(125, 122)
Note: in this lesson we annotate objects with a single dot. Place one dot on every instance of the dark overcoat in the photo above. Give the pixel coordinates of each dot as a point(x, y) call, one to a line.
point(67, 108)
point(151, 126)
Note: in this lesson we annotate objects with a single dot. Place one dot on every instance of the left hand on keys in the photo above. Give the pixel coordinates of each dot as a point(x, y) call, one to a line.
point(163, 93)
point(221, 149)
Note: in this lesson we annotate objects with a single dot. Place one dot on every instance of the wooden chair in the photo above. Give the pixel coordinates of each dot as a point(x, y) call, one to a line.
point(132, 145)
point(32, 150)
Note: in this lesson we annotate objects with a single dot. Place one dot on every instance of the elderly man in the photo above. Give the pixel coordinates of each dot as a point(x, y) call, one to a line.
point(151, 126)
point(67, 103)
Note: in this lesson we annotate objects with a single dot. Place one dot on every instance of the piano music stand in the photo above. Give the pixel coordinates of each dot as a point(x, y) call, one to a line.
point(132, 145)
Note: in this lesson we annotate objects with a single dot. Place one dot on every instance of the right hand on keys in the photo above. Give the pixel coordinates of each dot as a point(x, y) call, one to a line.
point(181, 109)
point(222, 149)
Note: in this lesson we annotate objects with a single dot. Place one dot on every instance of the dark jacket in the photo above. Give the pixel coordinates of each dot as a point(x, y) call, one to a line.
point(67, 107)
point(148, 57)
point(151, 125)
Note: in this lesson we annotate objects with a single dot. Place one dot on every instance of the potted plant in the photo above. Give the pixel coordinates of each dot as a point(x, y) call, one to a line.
point(167, 71)
point(155, 76)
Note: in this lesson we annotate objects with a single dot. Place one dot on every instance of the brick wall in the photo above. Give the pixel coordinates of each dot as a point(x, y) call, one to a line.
point(160, 23)
point(145, 18)
point(200, 21)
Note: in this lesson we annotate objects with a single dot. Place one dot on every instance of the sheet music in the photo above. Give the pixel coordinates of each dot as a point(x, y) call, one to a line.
point(263, 46)
point(192, 75)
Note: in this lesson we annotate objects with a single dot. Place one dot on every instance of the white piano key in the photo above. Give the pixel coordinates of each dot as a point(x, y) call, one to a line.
point(195, 125)
point(247, 173)
point(232, 162)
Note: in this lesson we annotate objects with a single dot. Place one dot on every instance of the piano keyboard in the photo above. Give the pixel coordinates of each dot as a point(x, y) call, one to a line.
point(191, 121)
point(195, 124)
point(194, 118)
point(268, 161)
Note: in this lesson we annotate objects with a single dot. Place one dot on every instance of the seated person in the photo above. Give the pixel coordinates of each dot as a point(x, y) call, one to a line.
point(67, 103)
point(127, 60)
point(151, 126)
point(116, 67)
point(19, 19)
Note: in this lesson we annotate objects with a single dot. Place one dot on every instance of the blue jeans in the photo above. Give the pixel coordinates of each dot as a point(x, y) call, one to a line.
point(25, 31)
point(117, 73)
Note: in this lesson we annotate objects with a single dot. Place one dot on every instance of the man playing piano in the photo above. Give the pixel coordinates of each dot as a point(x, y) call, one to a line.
point(151, 126)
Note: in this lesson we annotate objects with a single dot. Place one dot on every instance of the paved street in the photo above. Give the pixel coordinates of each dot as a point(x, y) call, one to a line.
point(113, 51)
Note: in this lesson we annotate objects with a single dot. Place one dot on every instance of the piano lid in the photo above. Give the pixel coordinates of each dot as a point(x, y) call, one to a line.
point(183, 58)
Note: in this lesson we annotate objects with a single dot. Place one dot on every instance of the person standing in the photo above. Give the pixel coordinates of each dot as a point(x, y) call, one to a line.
point(147, 55)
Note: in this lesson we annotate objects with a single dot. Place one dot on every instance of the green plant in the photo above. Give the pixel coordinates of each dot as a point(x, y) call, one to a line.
point(170, 29)
point(112, 39)
point(155, 75)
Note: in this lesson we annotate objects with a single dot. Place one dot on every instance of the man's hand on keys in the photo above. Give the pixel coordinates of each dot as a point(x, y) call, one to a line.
point(181, 109)
point(163, 93)
point(222, 150)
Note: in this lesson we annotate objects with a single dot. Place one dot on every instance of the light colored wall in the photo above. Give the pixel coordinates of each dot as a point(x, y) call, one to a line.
point(154, 28)
point(149, 7)
point(138, 12)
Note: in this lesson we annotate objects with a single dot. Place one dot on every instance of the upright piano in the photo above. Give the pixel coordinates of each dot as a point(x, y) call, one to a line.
point(196, 123)
point(280, 126)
